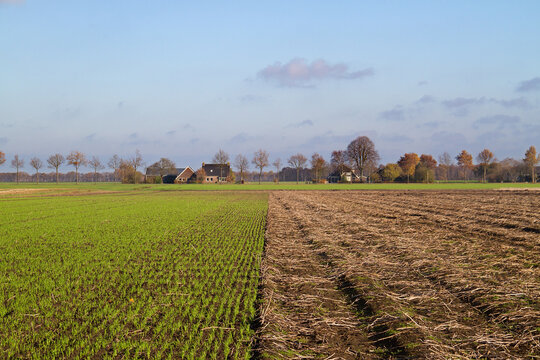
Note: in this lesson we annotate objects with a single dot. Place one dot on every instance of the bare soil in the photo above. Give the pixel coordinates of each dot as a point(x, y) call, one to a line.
point(401, 274)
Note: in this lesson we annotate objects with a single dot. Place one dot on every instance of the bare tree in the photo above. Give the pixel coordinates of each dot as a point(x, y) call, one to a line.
point(96, 164)
point(361, 151)
point(136, 162)
point(114, 163)
point(55, 161)
point(17, 163)
point(317, 164)
point(260, 160)
point(2, 158)
point(445, 161)
point(77, 159)
point(36, 164)
point(277, 165)
point(297, 161)
point(165, 166)
point(221, 158)
point(241, 163)
point(338, 160)
point(484, 159)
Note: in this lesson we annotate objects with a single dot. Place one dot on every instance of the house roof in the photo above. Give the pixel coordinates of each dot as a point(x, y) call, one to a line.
point(215, 170)
point(153, 170)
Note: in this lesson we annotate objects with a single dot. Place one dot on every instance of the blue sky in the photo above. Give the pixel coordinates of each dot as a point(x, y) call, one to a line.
point(181, 80)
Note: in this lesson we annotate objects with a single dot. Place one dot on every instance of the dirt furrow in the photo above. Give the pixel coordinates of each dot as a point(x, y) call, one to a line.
point(423, 312)
point(303, 312)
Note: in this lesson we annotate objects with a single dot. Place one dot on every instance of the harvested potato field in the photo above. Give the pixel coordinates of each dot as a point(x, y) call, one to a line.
point(401, 274)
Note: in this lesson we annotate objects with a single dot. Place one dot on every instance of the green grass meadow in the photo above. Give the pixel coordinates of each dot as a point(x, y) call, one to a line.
point(265, 186)
point(130, 274)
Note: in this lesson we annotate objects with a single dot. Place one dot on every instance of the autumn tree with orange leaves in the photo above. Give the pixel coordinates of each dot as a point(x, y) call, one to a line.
point(425, 170)
point(531, 160)
point(465, 162)
point(2, 158)
point(408, 163)
point(484, 159)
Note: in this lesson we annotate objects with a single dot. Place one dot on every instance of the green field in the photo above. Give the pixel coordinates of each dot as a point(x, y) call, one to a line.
point(130, 274)
point(265, 186)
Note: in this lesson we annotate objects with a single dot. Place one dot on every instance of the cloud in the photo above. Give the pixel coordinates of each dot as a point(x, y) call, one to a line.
point(243, 138)
point(170, 132)
point(133, 135)
point(396, 114)
point(300, 73)
point(304, 123)
point(3, 140)
point(90, 137)
point(529, 85)
point(430, 124)
point(500, 121)
point(446, 137)
point(460, 106)
point(7, 125)
point(426, 99)
point(249, 98)
point(422, 83)
point(403, 139)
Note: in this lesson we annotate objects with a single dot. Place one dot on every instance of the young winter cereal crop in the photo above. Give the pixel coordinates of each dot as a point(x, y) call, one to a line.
point(132, 275)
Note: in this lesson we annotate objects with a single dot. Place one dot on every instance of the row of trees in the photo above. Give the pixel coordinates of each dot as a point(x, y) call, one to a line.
point(359, 155)
point(123, 168)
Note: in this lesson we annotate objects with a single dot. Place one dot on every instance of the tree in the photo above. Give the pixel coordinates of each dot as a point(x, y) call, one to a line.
point(55, 161)
point(445, 161)
point(76, 159)
point(426, 168)
point(96, 164)
point(260, 160)
point(317, 164)
point(277, 165)
point(531, 160)
point(408, 163)
point(114, 163)
point(165, 166)
point(338, 160)
point(201, 175)
point(221, 158)
point(465, 162)
point(17, 163)
point(136, 162)
point(241, 163)
point(484, 158)
point(390, 172)
point(36, 164)
point(362, 151)
point(297, 161)
point(2, 158)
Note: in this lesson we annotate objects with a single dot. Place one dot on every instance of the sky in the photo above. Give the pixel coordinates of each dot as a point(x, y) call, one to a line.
point(182, 79)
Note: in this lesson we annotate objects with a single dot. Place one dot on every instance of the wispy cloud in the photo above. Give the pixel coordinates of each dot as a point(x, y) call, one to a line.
point(303, 123)
point(500, 121)
point(90, 137)
point(396, 114)
point(529, 85)
point(299, 72)
point(460, 106)
point(3, 140)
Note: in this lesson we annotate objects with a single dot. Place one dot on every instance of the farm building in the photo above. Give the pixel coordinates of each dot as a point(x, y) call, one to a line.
point(343, 173)
point(215, 173)
point(178, 176)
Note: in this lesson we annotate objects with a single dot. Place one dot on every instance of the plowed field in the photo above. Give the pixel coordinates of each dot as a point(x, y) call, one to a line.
point(401, 275)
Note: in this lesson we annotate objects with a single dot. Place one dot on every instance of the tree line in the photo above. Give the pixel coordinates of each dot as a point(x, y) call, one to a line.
point(360, 158)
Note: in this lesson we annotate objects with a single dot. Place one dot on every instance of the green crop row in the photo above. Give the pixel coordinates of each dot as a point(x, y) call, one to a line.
point(133, 275)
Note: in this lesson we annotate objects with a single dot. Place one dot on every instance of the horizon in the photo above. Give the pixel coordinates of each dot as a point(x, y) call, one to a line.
point(182, 81)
